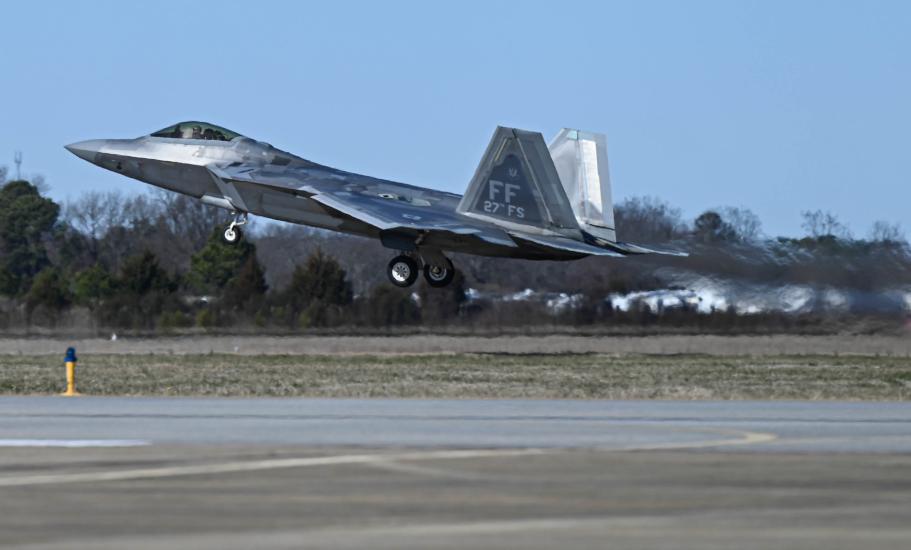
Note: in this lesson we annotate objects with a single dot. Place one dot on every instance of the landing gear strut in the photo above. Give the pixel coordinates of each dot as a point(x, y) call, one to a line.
point(233, 233)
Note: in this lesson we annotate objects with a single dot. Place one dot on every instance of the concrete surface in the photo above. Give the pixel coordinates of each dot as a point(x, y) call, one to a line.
point(618, 425)
point(299, 473)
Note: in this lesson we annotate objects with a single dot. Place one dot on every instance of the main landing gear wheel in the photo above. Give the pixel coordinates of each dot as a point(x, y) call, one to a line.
point(439, 275)
point(402, 271)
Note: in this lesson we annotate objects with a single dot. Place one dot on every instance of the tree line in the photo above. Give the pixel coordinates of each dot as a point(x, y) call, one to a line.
point(157, 262)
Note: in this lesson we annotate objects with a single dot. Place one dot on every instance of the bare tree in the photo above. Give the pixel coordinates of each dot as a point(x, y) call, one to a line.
point(824, 224)
point(94, 214)
point(886, 232)
point(743, 221)
point(648, 220)
point(141, 211)
point(188, 219)
point(40, 183)
point(3, 173)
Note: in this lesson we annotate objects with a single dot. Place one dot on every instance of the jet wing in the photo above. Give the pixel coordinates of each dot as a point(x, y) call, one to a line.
point(383, 205)
point(395, 214)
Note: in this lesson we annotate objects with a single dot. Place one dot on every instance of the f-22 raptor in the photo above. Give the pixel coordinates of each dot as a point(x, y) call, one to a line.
point(526, 200)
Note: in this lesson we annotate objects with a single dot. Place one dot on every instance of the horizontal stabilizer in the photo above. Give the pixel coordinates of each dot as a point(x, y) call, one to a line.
point(563, 245)
point(630, 249)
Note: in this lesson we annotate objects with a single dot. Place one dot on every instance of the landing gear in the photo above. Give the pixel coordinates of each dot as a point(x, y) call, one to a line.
point(439, 275)
point(402, 271)
point(233, 233)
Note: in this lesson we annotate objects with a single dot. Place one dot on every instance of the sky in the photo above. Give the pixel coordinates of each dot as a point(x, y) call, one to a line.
point(779, 107)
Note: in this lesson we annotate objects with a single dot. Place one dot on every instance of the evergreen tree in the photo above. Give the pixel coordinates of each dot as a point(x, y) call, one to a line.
point(91, 286)
point(48, 291)
point(142, 274)
point(143, 290)
point(317, 292)
point(442, 305)
point(25, 219)
point(217, 263)
point(391, 306)
point(247, 288)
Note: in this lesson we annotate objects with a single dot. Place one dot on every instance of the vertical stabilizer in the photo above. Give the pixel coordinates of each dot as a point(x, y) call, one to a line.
point(516, 186)
point(581, 162)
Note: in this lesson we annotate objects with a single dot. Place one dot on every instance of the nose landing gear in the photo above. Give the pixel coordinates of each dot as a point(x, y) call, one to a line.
point(233, 233)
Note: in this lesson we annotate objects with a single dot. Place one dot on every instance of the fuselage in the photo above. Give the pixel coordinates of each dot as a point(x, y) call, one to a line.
point(246, 176)
point(182, 165)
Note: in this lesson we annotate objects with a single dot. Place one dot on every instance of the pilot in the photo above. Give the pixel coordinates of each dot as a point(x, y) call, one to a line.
point(197, 132)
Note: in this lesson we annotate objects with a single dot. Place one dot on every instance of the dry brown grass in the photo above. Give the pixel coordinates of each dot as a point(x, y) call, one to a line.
point(782, 344)
point(587, 376)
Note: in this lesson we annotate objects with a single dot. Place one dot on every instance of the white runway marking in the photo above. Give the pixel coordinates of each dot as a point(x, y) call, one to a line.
point(743, 438)
point(253, 465)
point(73, 443)
point(368, 459)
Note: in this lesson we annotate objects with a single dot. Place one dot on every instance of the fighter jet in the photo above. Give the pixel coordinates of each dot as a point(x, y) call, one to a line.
point(526, 199)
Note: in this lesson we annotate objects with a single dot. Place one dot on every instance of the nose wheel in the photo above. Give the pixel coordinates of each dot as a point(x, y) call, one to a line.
point(233, 233)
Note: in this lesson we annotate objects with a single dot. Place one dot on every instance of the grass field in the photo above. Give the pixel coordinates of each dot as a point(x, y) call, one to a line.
point(470, 375)
point(893, 345)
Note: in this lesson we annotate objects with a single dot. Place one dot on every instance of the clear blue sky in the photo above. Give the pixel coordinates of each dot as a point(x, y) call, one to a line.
point(777, 106)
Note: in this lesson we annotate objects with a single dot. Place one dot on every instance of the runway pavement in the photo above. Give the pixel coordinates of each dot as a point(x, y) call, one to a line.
point(327, 473)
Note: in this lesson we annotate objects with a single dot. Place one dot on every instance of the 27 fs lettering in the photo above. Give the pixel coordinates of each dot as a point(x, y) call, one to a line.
point(500, 196)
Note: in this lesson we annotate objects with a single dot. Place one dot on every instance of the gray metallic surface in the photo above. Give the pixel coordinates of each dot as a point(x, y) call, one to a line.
point(245, 175)
point(581, 160)
point(517, 186)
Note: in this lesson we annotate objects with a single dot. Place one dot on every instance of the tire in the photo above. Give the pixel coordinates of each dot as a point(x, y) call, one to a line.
point(233, 235)
point(439, 276)
point(402, 271)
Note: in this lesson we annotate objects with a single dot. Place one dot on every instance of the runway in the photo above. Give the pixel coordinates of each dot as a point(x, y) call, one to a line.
point(609, 425)
point(317, 473)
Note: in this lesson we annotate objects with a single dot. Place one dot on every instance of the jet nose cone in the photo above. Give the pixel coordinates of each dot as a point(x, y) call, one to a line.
point(86, 150)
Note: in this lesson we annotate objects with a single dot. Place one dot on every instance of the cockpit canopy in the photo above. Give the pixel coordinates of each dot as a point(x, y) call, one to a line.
point(196, 130)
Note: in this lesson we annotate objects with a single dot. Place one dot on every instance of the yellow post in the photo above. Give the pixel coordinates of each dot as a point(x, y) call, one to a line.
point(70, 362)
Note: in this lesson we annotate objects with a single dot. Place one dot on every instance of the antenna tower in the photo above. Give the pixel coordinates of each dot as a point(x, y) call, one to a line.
point(17, 158)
